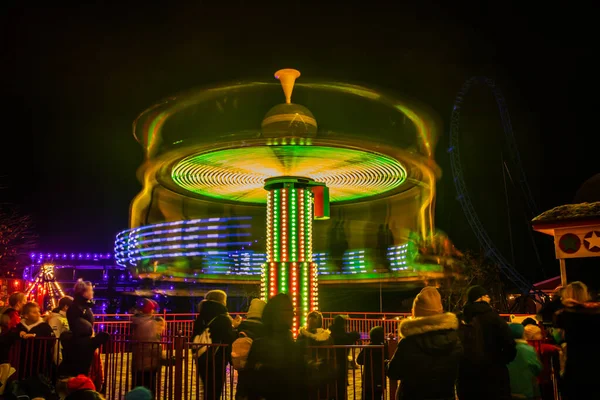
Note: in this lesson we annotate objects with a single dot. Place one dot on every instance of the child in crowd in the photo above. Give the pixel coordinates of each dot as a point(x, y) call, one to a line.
point(82, 388)
point(373, 361)
point(139, 393)
point(35, 354)
point(525, 368)
point(549, 356)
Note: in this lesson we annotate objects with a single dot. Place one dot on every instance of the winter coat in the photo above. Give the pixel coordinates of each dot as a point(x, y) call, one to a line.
point(277, 368)
point(342, 338)
point(146, 352)
point(254, 329)
point(10, 318)
point(59, 324)
point(308, 340)
point(427, 358)
point(321, 361)
point(374, 361)
point(581, 324)
point(221, 331)
point(80, 317)
point(523, 372)
point(80, 343)
point(276, 363)
point(547, 353)
point(488, 347)
point(35, 354)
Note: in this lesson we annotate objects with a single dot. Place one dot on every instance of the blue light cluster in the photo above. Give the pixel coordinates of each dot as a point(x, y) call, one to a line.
point(247, 262)
point(397, 255)
point(38, 258)
point(211, 238)
point(224, 247)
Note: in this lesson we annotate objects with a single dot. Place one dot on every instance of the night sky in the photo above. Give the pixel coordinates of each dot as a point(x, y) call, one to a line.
point(74, 79)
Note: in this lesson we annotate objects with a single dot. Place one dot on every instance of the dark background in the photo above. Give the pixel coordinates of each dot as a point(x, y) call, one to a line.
point(75, 78)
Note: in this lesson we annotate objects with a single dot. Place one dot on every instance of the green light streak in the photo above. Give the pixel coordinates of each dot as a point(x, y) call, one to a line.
point(239, 174)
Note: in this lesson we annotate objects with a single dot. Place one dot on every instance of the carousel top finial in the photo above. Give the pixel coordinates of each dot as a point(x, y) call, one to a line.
point(287, 77)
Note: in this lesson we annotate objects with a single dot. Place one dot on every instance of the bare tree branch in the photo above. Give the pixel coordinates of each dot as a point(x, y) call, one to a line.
point(17, 239)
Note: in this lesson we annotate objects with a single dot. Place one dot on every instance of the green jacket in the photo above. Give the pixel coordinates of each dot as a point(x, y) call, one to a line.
point(524, 370)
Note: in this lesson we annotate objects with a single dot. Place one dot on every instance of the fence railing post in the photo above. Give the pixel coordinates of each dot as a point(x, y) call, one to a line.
point(392, 344)
point(179, 365)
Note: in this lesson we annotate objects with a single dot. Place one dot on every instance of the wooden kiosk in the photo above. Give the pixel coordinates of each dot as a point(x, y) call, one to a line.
point(576, 231)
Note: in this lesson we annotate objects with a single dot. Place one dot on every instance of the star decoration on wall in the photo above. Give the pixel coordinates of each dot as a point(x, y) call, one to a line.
point(591, 241)
point(569, 243)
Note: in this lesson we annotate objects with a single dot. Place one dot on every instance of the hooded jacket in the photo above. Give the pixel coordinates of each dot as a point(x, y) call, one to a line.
point(79, 344)
point(427, 357)
point(214, 314)
point(276, 364)
point(147, 353)
point(497, 343)
point(524, 370)
point(80, 317)
point(488, 348)
point(581, 324)
point(36, 354)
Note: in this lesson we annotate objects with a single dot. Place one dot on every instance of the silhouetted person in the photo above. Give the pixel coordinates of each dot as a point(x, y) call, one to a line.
point(488, 348)
point(276, 363)
point(80, 343)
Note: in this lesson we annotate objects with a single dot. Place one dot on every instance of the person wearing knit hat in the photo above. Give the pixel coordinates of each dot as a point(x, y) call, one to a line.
point(214, 319)
point(428, 302)
point(146, 358)
point(256, 309)
point(252, 328)
point(488, 348)
point(80, 382)
point(548, 355)
point(148, 306)
point(525, 368)
point(82, 388)
point(477, 293)
point(216, 295)
point(139, 393)
point(220, 297)
point(279, 366)
point(430, 338)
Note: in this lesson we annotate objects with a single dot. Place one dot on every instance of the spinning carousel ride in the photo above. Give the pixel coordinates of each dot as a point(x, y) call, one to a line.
point(218, 170)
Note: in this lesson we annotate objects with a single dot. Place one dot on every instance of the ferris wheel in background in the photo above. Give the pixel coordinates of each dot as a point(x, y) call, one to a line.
point(491, 251)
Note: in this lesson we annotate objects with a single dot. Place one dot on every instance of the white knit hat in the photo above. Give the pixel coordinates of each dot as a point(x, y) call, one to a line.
point(256, 308)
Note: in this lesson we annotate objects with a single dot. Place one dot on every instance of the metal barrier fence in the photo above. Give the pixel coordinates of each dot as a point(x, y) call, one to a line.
point(170, 369)
point(183, 324)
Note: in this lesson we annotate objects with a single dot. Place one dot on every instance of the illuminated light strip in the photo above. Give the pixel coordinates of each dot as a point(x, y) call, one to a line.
point(276, 211)
point(314, 296)
point(181, 222)
point(294, 285)
point(272, 279)
point(304, 282)
point(135, 236)
point(293, 225)
point(233, 174)
point(301, 251)
point(188, 238)
point(263, 282)
point(284, 224)
point(309, 224)
point(283, 287)
point(65, 256)
point(269, 227)
point(209, 245)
